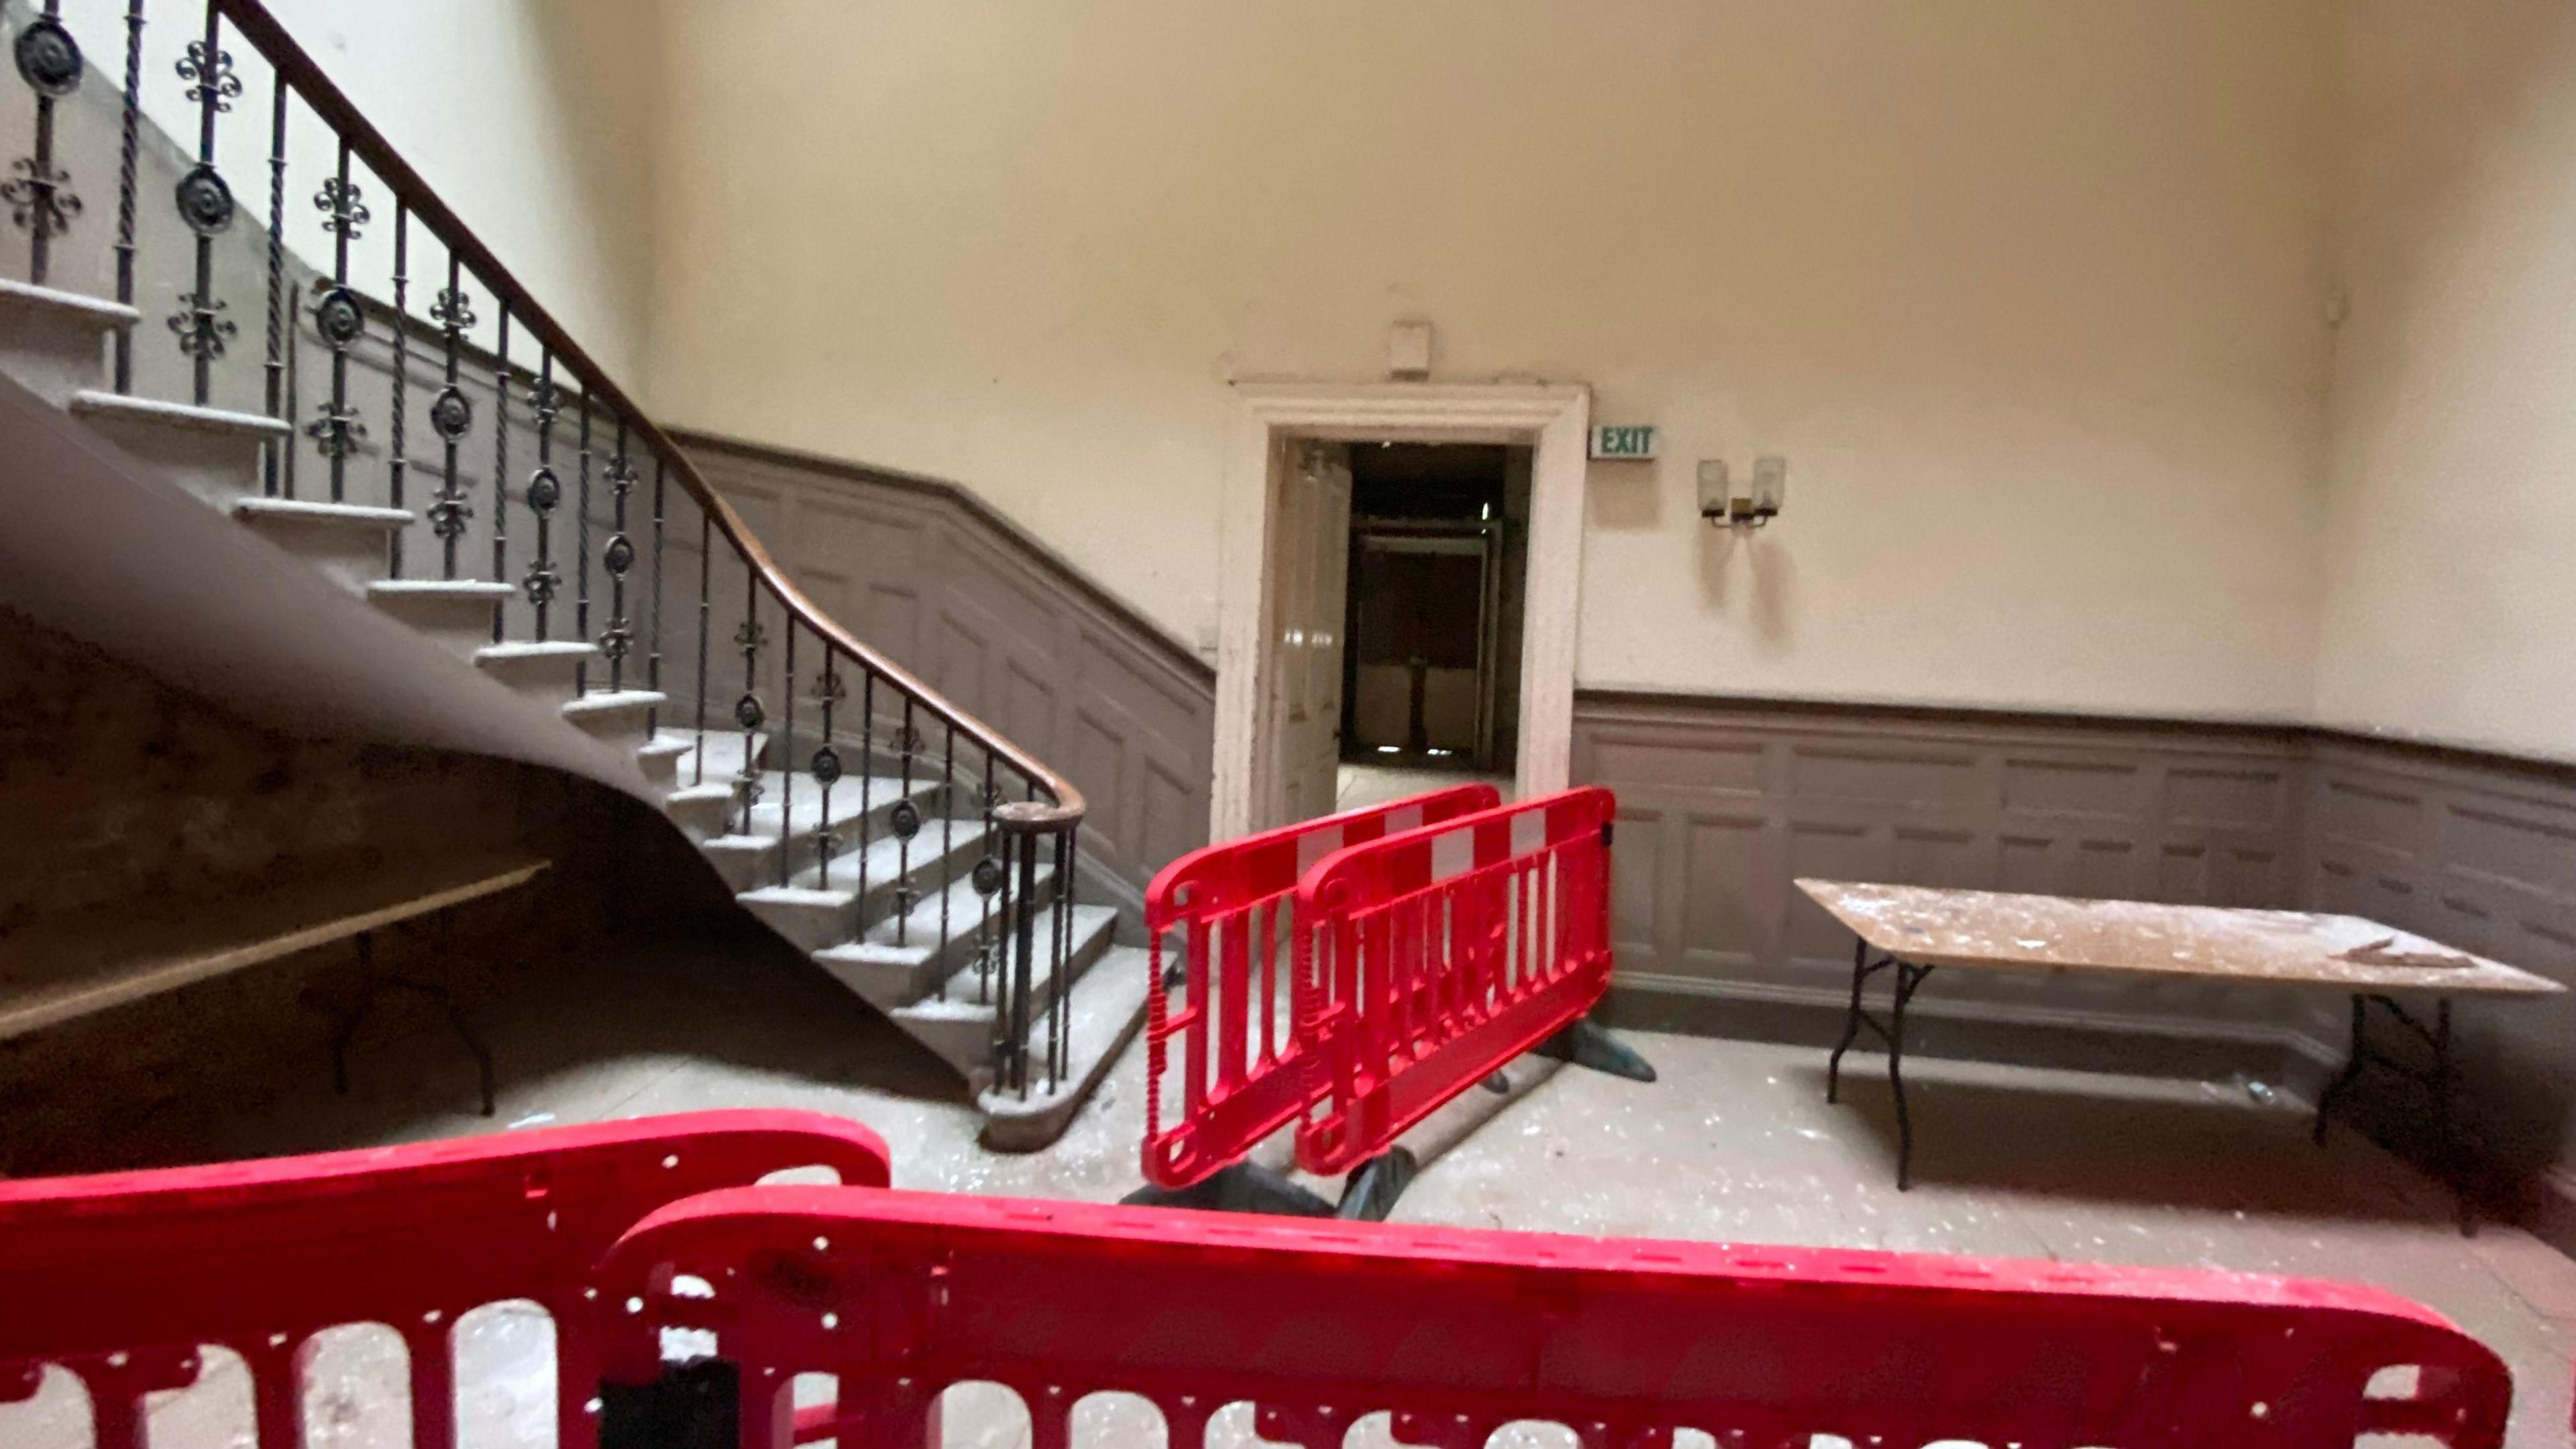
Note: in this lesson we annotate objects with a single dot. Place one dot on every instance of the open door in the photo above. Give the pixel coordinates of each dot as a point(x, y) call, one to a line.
point(1309, 566)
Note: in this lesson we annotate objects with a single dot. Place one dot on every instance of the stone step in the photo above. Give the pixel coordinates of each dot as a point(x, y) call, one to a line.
point(345, 541)
point(699, 810)
point(894, 967)
point(1104, 1011)
point(57, 341)
point(539, 669)
point(818, 907)
point(212, 453)
point(659, 758)
point(618, 716)
point(748, 859)
point(457, 613)
point(959, 1027)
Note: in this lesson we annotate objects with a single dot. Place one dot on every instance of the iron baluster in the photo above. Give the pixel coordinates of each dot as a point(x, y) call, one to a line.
point(747, 711)
point(544, 491)
point(451, 413)
point(947, 843)
point(277, 454)
point(867, 767)
point(787, 759)
point(339, 321)
point(1059, 986)
point(501, 469)
point(285, 448)
point(826, 765)
point(581, 550)
point(653, 625)
point(988, 880)
point(205, 203)
point(1024, 931)
point(399, 463)
point(129, 142)
point(904, 818)
point(618, 639)
point(706, 558)
point(40, 198)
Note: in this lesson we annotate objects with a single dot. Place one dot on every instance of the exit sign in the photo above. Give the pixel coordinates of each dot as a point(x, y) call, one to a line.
point(1623, 442)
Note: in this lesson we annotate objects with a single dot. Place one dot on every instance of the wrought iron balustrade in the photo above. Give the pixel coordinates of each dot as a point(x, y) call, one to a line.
point(867, 780)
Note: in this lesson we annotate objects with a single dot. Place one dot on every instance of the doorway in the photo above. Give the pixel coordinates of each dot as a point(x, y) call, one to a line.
point(1398, 594)
point(1438, 553)
point(1283, 601)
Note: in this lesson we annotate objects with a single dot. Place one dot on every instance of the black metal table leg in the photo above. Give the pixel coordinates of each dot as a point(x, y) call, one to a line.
point(1851, 1024)
point(2439, 1082)
point(371, 984)
point(1909, 979)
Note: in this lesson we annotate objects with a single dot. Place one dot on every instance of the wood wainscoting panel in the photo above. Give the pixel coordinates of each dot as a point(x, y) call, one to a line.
point(1723, 803)
point(949, 589)
point(2479, 853)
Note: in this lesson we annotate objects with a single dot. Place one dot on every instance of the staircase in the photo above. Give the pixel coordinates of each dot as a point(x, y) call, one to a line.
point(464, 469)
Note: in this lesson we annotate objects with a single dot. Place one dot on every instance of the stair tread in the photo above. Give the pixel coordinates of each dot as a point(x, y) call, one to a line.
point(885, 853)
point(965, 908)
point(806, 794)
point(1103, 1010)
point(885, 864)
point(28, 297)
point(723, 748)
point(711, 790)
point(438, 589)
point(1088, 923)
point(664, 748)
point(615, 701)
point(545, 649)
point(845, 815)
point(307, 511)
point(93, 403)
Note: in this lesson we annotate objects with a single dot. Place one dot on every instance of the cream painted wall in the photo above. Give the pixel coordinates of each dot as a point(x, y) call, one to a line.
point(2030, 293)
point(2453, 513)
point(542, 151)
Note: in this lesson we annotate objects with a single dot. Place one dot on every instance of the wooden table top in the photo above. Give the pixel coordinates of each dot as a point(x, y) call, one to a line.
point(1991, 930)
point(90, 961)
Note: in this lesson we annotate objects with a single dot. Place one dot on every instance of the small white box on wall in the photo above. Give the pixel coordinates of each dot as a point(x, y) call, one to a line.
point(1408, 350)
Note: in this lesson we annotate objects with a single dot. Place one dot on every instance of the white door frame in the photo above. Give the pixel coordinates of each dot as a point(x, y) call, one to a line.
point(1554, 421)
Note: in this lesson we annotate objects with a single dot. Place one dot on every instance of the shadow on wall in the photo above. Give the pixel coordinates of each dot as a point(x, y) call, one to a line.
point(117, 789)
point(1725, 553)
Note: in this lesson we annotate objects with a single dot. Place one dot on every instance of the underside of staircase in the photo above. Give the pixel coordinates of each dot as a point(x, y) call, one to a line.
point(892, 878)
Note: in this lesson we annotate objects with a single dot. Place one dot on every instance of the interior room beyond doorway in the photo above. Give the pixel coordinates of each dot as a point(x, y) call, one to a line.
point(1432, 613)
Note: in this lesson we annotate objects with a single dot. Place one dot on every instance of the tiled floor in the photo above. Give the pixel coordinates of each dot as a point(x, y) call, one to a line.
point(1361, 785)
point(1735, 1142)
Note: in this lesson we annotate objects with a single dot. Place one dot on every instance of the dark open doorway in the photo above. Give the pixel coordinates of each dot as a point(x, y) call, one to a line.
point(1439, 545)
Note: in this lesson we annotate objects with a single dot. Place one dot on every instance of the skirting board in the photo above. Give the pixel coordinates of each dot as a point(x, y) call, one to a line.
point(2289, 1060)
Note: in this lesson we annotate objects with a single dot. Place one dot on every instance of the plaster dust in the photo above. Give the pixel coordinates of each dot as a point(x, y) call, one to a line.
point(2001, 931)
point(1734, 1143)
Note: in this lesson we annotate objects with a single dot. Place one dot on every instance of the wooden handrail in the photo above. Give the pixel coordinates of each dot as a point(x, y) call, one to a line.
point(299, 71)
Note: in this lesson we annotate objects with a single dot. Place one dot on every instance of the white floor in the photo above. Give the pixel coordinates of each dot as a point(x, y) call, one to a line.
point(1358, 786)
point(1734, 1143)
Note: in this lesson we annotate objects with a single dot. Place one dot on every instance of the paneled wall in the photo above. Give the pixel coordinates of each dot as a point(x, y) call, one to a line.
point(1723, 805)
point(950, 590)
point(2481, 853)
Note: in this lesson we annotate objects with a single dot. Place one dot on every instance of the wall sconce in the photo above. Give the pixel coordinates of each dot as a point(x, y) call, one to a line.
point(1748, 504)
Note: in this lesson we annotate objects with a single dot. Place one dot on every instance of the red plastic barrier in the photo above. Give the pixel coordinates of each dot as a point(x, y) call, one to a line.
point(1458, 1332)
point(121, 1277)
point(1429, 959)
point(1242, 1075)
